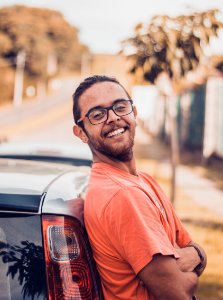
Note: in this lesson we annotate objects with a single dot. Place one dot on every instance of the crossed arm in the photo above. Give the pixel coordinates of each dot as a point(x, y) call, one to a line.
point(174, 279)
point(192, 258)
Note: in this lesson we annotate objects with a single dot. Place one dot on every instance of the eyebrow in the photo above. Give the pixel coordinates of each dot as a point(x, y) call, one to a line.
point(115, 101)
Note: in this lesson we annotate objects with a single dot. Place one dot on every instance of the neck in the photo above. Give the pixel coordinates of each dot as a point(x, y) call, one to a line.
point(128, 166)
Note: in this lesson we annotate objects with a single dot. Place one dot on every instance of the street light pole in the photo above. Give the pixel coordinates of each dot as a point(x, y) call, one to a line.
point(85, 65)
point(19, 74)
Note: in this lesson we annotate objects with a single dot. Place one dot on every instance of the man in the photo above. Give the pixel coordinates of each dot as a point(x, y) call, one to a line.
point(141, 249)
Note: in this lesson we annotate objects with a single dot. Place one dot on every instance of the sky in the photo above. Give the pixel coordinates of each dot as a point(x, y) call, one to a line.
point(104, 24)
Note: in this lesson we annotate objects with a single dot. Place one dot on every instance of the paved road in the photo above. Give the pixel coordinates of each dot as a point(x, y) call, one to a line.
point(48, 119)
point(57, 131)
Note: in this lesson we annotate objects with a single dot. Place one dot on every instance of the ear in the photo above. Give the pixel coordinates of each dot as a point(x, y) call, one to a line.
point(79, 132)
point(135, 111)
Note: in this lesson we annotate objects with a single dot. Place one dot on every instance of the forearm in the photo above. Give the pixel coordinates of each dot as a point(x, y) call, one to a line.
point(166, 281)
point(182, 291)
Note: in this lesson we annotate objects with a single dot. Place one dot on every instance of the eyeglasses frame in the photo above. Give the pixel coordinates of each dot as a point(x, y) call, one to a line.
point(107, 109)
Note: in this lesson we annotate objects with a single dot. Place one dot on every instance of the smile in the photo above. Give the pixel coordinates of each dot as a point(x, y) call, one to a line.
point(116, 132)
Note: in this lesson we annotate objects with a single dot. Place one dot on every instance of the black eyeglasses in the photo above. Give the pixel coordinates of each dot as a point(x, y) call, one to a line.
point(99, 115)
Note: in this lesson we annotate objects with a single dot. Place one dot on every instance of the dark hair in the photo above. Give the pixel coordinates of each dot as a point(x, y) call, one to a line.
point(86, 84)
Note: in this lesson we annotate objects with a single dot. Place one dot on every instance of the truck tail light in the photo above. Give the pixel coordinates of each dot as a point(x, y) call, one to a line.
point(70, 270)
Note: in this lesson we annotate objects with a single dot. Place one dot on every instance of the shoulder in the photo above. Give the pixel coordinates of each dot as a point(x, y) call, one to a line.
point(129, 200)
point(148, 178)
point(108, 181)
point(104, 188)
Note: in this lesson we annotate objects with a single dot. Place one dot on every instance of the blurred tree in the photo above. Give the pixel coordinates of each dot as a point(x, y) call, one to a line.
point(173, 45)
point(165, 52)
point(50, 43)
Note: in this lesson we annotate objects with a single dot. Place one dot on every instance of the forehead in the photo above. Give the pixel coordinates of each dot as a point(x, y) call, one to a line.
point(101, 93)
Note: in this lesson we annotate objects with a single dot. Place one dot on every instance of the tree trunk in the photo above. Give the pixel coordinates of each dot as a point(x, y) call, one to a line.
point(174, 146)
point(165, 85)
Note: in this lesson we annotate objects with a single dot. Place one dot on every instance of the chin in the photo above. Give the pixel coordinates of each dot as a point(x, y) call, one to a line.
point(124, 157)
point(124, 154)
point(120, 151)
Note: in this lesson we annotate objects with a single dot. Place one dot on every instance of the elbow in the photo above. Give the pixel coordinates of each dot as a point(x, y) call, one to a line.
point(193, 287)
point(181, 295)
point(190, 289)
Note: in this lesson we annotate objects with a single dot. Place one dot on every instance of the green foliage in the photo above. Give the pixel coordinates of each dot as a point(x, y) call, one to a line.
point(171, 45)
point(41, 33)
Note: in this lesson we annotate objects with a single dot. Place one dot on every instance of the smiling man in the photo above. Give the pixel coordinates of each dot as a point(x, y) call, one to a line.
point(141, 248)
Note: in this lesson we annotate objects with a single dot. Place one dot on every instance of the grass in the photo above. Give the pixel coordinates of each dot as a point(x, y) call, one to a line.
point(205, 228)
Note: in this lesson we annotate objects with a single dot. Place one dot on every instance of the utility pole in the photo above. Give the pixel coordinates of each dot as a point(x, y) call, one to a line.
point(19, 77)
point(85, 65)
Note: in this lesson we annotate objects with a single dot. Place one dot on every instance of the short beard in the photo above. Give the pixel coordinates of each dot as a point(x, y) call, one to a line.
point(124, 155)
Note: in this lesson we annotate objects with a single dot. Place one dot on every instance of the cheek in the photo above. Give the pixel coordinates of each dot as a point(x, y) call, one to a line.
point(93, 131)
point(130, 119)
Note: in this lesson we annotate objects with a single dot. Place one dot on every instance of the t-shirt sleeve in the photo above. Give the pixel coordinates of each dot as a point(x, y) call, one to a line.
point(133, 225)
point(182, 236)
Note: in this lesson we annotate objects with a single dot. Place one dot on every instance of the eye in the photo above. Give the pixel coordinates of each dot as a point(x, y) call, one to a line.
point(121, 106)
point(97, 114)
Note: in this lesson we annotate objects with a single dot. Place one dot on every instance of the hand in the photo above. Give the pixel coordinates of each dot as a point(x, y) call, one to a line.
point(188, 260)
point(203, 258)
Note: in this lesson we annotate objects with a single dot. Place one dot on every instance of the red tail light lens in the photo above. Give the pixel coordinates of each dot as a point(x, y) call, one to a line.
point(69, 267)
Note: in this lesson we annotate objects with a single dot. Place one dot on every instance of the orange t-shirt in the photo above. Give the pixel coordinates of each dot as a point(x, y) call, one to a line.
point(128, 220)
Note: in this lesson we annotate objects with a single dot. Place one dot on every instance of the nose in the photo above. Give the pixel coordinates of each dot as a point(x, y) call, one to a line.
point(112, 117)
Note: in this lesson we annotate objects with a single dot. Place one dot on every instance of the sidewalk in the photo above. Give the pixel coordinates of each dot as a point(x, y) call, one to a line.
point(199, 189)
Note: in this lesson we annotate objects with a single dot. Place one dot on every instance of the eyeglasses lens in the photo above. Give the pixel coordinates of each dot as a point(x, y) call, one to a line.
point(100, 115)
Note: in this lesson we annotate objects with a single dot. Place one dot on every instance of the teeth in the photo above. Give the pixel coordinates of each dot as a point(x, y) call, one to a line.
point(116, 132)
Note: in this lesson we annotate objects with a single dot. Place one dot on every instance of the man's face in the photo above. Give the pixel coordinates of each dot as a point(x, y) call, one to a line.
point(115, 137)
